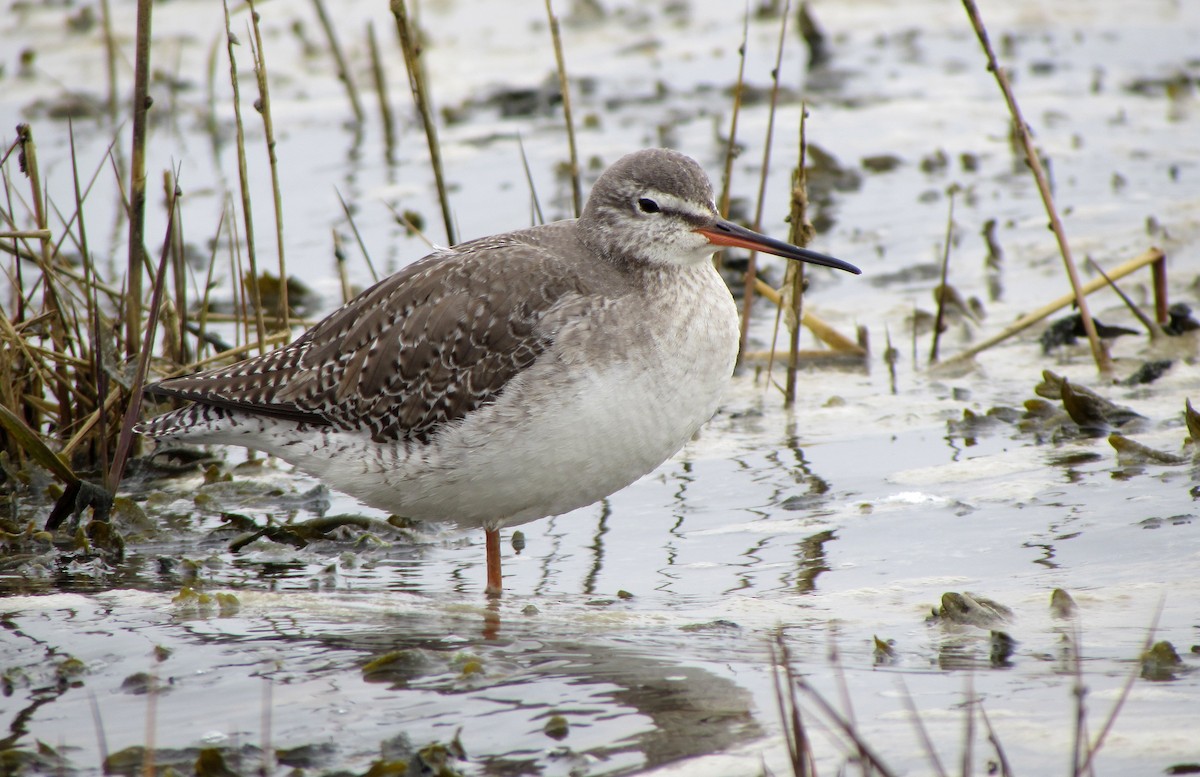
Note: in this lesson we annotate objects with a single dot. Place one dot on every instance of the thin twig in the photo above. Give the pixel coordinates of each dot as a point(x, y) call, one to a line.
point(134, 409)
point(137, 181)
point(731, 143)
point(343, 69)
point(537, 205)
point(565, 89)
point(752, 261)
point(1099, 352)
point(358, 236)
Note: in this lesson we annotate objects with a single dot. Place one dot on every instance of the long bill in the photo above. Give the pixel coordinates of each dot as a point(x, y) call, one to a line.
point(726, 233)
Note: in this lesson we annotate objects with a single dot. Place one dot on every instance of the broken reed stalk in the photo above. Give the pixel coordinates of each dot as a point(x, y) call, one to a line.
point(752, 261)
point(244, 184)
point(1151, 256)
point(339, 59)
point(381, 91)
point(264, 109)
point(942, 294)
point(411, 47)
point(137, 181)
point(731, 143)
point(565, 89)
point(799, 234)
point(1099, 352)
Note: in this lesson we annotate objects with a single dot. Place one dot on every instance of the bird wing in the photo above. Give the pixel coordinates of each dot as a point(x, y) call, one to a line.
point(420, 349)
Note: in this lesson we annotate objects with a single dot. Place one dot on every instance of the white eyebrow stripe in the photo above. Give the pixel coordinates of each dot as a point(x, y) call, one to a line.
point(679, 205)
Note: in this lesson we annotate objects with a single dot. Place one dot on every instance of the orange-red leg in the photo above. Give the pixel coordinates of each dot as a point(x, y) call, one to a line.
point(493, 562)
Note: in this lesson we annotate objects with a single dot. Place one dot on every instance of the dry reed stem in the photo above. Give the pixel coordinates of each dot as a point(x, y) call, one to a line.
point(99, 376)
point(731, 142)
point(752, 260)
point(968, 753)
point(27, 234)
point(564, 88)
point(59, 381)
point(939, 319)
point(824, 331)
point(1099, 352)
point(848, 730)
point(137, 181)
point(794, 733)
point(381, 91)
point(133, 410)
point(535, 203)
point(110, 58)
point(244, 185)
point(417, 85)
point(800, 233)
point(1132, 677)
point(1149, 256)
point(336, 49)
point(264, 109)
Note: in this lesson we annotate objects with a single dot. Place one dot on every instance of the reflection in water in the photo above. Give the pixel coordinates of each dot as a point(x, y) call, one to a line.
point(597, 548)
point(810, 560)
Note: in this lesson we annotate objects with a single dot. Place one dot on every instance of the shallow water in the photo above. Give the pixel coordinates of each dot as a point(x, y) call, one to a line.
point(847, 519)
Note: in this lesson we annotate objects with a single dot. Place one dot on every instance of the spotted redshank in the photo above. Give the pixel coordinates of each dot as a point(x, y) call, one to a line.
point(509, 378)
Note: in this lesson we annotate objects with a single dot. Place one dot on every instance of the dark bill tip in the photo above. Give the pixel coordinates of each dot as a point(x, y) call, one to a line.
point(726, 233)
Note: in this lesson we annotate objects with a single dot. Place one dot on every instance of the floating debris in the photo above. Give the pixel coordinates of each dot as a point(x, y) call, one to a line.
point(1131, 452)
point(557, 728)
point(1161, 662)
point(1061, 604)
point(970, 609)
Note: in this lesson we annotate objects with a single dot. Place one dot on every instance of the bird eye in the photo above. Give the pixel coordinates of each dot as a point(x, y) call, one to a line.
point(647, 205)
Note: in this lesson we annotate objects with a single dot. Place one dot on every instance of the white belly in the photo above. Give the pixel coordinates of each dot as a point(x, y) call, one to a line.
point(596, 412)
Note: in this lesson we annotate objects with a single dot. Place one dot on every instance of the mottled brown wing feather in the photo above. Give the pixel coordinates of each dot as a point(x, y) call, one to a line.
point(420, 349)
